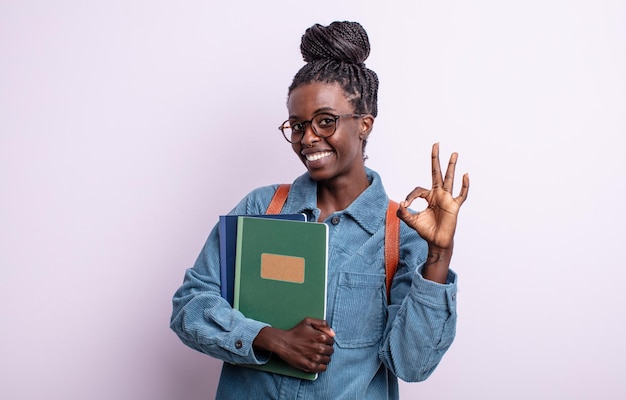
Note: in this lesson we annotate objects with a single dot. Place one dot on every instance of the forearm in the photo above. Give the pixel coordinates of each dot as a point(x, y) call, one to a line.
point(421, 327)
point(206, 322)
point(201, 317)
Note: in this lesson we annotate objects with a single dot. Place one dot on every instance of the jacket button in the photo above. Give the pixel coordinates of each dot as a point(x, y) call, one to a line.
point(238, 344)
point(335, 220)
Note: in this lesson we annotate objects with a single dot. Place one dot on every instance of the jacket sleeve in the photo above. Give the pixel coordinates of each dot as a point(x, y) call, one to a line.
point(205, 321)
point(421, 322)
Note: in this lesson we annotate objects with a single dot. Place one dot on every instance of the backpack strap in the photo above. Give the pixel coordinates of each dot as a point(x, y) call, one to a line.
point(278, 200)
point(392, 232)
point(392, 244)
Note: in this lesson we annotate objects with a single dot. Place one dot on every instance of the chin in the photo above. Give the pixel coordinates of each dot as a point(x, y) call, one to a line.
point(318, 176)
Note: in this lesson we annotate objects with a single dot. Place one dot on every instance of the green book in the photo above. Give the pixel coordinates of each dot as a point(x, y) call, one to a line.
point(280, 276)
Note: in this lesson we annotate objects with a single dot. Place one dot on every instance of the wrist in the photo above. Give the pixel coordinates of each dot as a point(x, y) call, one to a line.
point(265, 339)
point(437, 264)
point(438, 255)
point(439, 250)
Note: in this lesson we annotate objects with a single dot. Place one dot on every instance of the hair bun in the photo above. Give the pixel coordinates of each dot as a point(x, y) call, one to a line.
point(340, 41)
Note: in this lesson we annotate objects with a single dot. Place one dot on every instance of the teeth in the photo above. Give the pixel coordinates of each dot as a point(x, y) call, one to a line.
point(317, 156)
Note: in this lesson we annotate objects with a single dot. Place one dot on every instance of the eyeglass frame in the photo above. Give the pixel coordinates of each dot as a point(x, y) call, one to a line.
point(310, 122)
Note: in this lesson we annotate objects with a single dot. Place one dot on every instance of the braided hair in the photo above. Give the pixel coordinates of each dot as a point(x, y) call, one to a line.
point(336, 54)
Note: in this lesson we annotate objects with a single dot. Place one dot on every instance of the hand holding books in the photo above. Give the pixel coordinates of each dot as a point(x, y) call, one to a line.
point(307, 346)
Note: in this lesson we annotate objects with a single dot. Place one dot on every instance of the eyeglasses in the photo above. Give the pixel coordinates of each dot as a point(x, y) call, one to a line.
point(323, 125)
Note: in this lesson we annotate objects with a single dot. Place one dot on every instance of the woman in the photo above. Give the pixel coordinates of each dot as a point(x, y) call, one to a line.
point(367, 341)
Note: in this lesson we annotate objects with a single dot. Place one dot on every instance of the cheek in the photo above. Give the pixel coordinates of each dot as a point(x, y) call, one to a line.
point(347, 144)
point(296, 147)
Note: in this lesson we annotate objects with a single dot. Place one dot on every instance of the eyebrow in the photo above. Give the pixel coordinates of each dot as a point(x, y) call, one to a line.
point(318, 111)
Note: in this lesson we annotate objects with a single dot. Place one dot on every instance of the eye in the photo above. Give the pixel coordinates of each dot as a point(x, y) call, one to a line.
point(325, 121)
point(297, 126)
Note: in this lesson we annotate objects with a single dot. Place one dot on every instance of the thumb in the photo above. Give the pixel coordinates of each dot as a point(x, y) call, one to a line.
point(322, 326)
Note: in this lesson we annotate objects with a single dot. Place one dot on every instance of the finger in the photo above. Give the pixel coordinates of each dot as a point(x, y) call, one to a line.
point(436, 167)
point(324, 350)
point(325, 339)
point(324, 328)
point(323, 359)
point(403, 211)
point(321, 367)
point(464, 190)
point(404, 214)
point(448, 182)
point(418, 192)
point(315, 366)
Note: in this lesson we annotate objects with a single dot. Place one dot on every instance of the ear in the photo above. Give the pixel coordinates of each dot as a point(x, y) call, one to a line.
point(367, 123)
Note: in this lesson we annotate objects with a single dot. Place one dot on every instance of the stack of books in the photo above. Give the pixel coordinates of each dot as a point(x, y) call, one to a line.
point(274, 270)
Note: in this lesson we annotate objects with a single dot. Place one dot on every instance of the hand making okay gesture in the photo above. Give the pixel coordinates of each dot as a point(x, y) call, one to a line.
point(436, 224)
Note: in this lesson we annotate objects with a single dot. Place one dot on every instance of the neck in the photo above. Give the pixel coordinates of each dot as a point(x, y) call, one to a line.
point(338, 194)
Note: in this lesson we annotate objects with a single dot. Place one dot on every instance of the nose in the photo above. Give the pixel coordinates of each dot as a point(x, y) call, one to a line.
point(309, 137)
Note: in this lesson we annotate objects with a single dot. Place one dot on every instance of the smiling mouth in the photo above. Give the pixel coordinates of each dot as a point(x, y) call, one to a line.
point(318, 156)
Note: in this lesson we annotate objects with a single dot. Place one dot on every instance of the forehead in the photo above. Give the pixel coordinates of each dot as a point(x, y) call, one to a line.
point(310, 98)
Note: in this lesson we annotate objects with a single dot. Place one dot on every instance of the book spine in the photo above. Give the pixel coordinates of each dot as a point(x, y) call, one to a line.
point(222, 233)
point(240, 227)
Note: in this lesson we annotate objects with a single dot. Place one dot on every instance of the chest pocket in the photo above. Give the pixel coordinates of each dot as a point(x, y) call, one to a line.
point(359, 312)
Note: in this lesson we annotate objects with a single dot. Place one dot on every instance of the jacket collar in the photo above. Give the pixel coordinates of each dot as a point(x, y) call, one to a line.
point(368, 210)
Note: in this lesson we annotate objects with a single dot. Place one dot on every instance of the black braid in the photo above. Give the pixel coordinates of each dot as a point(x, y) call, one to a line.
point(336, 54)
